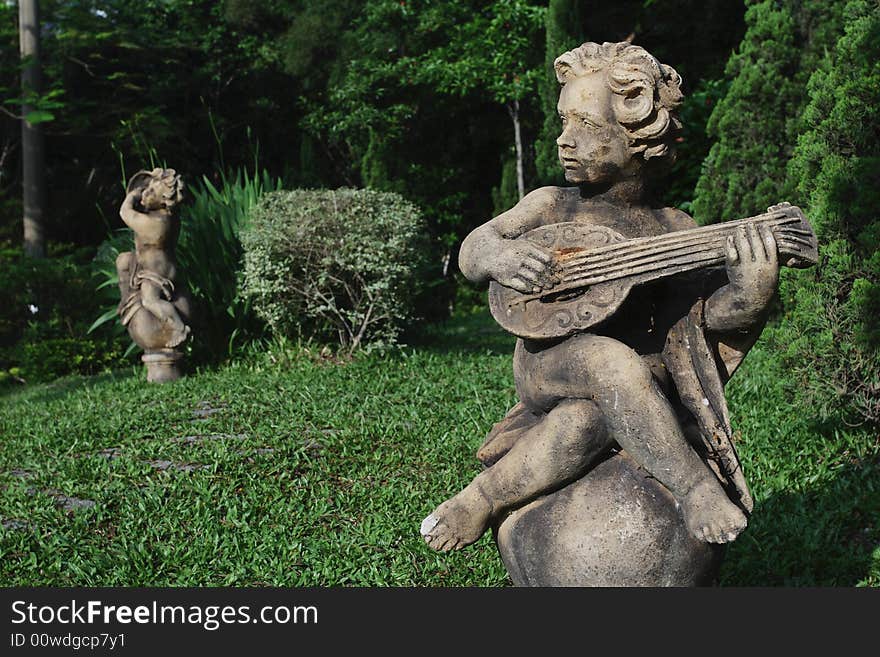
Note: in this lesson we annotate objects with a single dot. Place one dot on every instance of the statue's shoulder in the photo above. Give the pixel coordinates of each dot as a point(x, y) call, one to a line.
point(674, 219)
point(551, 204)
point(549, 196)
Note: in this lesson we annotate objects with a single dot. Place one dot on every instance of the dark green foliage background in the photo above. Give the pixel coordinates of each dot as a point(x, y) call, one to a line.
point(47, 308)
point(831, 334)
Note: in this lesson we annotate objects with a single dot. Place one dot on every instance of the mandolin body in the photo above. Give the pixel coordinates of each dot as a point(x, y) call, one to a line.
point(558, 315)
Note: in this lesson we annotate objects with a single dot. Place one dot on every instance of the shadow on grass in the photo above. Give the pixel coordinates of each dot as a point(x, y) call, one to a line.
point(47, 392)
point(825, 536)
point(465, 333)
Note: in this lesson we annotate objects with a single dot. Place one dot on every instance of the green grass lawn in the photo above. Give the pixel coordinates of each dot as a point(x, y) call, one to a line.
point(286, 469)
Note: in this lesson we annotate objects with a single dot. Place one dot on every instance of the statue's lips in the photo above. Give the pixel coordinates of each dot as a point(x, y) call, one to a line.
point(570, 163)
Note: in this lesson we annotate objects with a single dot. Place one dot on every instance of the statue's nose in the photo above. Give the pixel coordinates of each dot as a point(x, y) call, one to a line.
point(565, 140)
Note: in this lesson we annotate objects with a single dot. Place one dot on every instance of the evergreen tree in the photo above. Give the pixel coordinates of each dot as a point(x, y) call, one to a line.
point(757, 122)
point(564, 31)
point(831, 334)
point(745, 169)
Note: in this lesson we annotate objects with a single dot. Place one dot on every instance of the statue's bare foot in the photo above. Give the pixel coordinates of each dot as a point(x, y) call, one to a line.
point(710, 515)
point(179, 333)
point(459, 521)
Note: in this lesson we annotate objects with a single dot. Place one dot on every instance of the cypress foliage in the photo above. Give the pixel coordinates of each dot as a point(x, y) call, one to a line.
point(564, 31)
point(505, 195)
point(831, 335)
point(757, 122)
point(745, 168)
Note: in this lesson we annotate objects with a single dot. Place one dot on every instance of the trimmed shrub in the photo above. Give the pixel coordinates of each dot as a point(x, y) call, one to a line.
point(340, 265)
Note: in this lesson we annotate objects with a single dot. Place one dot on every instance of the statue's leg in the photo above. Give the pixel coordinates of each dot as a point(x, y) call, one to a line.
point(183, 304)
point(558, 449)
point(151, 299)
point(640, 418)
point(124, 263)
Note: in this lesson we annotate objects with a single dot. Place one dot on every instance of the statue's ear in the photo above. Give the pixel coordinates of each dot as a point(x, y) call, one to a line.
point(138, 181)
point(635, 106)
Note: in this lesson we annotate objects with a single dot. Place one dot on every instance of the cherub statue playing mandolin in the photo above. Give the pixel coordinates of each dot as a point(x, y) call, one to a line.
point(630, 320)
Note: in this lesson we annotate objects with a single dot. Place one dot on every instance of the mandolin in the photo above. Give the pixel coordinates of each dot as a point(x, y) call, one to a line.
point(595, 267)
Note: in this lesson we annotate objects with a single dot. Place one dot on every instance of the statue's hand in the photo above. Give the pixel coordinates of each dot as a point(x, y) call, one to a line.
point(523, 266)
point(752, 267)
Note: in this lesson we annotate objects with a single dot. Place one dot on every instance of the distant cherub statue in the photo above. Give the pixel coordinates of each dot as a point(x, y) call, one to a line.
point(154, 307)
point(630, 319)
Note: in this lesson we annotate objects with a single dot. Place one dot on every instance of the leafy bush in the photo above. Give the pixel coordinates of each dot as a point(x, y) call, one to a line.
point(46, 306)
point(345, 264)
point(208, 257)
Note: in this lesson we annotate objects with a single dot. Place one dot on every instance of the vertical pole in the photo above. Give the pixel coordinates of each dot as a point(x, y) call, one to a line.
point(33, 159)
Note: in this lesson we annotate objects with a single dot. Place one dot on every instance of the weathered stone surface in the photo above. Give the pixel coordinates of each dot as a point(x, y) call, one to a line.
point(616, 526)
point(630, 320)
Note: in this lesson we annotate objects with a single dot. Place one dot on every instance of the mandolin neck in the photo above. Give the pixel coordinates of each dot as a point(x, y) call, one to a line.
point(649, 258)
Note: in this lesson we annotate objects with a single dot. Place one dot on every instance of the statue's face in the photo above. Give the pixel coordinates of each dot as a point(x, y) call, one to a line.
point(151, 197)
point(593, 147)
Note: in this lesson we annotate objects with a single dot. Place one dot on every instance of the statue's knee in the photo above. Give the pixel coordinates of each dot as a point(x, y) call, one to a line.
point(612, 363)
point(123, 262)
point(577, 422)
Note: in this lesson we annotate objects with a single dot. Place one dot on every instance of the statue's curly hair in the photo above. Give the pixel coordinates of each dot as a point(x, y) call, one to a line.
point(646, 92)
point(169, 182)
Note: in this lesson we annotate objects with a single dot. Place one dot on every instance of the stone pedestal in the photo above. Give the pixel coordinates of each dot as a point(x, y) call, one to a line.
point(616, 526)
point(163, 365)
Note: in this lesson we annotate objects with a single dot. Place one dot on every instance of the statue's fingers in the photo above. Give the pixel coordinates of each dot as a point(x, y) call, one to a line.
point(779, 206)
point(769, 243)
point(786, 246)
point(534, 265)
point(743, 249)
point(542, 273)
point(755, 243)
point(527, 275)
point(539, 254)
point(732, 253)
point(520, 285)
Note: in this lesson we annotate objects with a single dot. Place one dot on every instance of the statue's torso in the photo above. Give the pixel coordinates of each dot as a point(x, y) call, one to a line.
point(155, 246)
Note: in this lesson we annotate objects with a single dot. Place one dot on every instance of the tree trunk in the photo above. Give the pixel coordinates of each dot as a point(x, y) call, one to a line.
point(513, 110)
point(33, 161)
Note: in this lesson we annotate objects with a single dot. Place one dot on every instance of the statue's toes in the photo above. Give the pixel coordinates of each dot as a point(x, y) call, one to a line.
point(723, 532)
point(450, 544)
point(428, 524)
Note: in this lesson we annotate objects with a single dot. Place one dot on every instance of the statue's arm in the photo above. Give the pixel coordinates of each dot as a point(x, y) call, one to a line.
point(753, 274)
point(735, 313)
point(139, 222)
point(492, 251)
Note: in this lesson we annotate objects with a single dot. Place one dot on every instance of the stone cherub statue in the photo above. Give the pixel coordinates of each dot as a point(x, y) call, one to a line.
point(617, 466)
point(154, 307)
